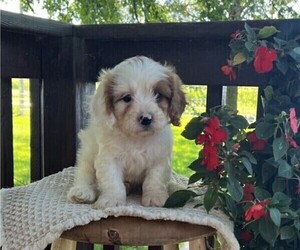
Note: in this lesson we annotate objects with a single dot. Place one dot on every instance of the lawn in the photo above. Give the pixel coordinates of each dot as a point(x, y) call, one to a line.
point(184, 151)
point(21, 134)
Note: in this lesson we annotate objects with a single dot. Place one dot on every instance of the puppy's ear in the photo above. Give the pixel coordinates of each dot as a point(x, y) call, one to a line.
point(102, 104)
point(178, 100)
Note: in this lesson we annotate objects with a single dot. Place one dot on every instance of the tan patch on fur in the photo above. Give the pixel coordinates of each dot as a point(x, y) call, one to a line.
point(163, 88)
point(178, 100)
point(108, 93)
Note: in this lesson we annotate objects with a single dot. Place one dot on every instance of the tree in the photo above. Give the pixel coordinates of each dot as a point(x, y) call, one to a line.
point(140, 11)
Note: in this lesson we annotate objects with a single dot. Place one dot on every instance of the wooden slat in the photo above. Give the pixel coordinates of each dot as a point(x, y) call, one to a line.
point(36, 146)
point(213, 96)
point(20, 55)
point(6, 134)
point(198, 244)
point(110, 247)
point(59, 128)
point(137, 232)
point(34, 25)
point(213, 30)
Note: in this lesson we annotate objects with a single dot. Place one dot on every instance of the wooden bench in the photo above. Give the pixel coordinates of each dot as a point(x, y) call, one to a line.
point(133, 231)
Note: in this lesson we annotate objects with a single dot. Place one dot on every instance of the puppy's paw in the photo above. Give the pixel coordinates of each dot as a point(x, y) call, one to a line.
point(154, 199)
point(82, 194)
point(105, 201)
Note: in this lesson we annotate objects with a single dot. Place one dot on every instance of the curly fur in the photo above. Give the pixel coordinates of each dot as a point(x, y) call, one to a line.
point(128, 140)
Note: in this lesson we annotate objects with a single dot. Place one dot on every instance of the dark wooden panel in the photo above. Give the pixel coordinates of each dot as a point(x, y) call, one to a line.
point(84, 89)
point(197, 61)
point(176, 31)
point(59, 129)
point(84, 246)
point(6, 133)
point(28, 24)
point(36, 146)
point(20, 56)
point(214, 96)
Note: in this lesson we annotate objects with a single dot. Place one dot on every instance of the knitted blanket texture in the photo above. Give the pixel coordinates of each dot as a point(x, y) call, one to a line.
point(33, 216)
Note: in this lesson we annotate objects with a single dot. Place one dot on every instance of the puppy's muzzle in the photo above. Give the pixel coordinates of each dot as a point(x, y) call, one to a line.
point(145, 120)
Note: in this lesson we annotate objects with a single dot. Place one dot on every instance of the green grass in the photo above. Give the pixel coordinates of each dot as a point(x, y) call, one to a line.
point(184, 151)
point(21, 135)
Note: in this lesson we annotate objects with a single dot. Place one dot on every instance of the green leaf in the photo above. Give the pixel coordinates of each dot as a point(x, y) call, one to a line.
point(193, 129)
point(278, 185)
point(250, 157)
point(250, 46)
point(282, 65)
point(251, 32)
point(261, 193)
point(284, 169)
point(295, 54)
point(267, 31)
point(269, 92)
point(238, 59)
point(195, 165)
point(275, 216)
point(284, 200)
point(268, 230)
point(235, 189)
point(287, 232)
point(267, 171)
point(239, 122)
point(231, 205)
point(179, 198)
point(247, 164)
point(210, 198)
point(297, 224)
point(280, 147)
point(195, 177)
point(264, 130)
point(230, 169)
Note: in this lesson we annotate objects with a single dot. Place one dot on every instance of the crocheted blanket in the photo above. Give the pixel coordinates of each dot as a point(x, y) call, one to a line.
point(34, 216)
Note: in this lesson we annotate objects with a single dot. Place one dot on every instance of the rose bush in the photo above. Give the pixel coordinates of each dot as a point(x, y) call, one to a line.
point(252, 171)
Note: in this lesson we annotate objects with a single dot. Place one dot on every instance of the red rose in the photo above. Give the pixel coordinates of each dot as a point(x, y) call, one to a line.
point(210, 157)
point(256, 143)
point(228, 71)
point(219, 136)
point(213, 122)
point(201, 139)
point(212, 135)
point(256, 211)
point(264, 58)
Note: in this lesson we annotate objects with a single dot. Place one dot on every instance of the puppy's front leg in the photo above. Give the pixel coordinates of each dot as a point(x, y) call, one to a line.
point(155, 191)
point(110, 183)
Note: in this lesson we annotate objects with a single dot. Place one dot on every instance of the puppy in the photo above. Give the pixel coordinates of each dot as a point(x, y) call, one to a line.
point(128, 140)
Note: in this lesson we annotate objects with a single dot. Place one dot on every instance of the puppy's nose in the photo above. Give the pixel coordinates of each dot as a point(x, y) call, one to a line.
point(145, 120)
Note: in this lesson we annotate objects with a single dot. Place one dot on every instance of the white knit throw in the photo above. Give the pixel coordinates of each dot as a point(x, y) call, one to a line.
point(34, 216)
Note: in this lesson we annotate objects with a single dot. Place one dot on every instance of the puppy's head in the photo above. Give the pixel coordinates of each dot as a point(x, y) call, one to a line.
point(139, 96)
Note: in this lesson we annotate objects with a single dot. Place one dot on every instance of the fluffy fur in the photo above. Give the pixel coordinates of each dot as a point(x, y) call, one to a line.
point(128, 140)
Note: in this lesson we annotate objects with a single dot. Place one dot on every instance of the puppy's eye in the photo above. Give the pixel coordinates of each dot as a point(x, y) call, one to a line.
point(127, 98)
point(157, 96)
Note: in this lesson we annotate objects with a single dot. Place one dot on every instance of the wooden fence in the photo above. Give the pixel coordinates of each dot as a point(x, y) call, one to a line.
point(62, 62)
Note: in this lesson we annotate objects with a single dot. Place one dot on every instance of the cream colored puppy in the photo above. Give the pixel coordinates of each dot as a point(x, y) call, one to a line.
point(128, 140)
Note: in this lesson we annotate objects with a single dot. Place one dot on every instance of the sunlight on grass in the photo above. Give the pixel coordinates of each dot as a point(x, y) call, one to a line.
point(21, 134)
point(184, 151)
